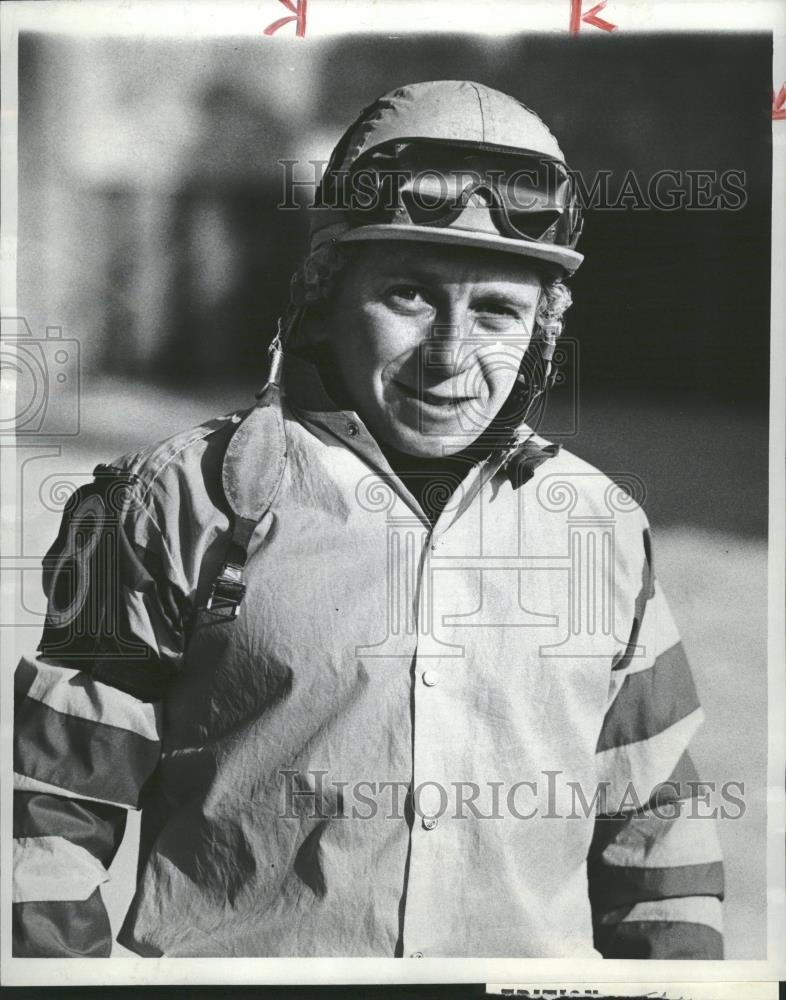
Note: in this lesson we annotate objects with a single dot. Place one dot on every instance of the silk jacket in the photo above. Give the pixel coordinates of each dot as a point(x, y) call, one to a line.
point(413, 739)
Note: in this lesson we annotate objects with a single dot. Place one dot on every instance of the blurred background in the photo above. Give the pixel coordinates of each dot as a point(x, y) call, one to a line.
point(149, 233)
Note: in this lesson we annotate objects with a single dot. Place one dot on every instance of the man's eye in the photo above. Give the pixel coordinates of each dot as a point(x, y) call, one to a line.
point(408, 295)
point(496, 309)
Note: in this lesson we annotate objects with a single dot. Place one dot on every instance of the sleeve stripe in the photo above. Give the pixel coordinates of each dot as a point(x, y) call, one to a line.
point(90, 759)
point(641, 765)
point(70, 929)
point(650, 701)
point(658, 633)
point(73, 692)
point(650, 842)
point(23, 783)
point(655, 940)
point(684, 772)
point(669, 796)
point(52, 868)
point(645, 594)
point(98, 828)
point(626, 886)
point(707, 910)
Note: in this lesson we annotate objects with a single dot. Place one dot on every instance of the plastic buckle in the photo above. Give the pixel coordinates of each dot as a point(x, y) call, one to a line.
point(227, 593)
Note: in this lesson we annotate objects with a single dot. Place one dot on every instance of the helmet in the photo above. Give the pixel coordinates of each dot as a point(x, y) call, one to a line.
point(450, 161)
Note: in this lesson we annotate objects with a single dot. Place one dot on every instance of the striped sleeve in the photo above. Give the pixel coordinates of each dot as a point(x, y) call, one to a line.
point(655, 869)
point(87, 720)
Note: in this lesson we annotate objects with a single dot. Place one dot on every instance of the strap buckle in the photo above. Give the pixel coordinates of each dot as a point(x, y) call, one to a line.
point(227, 592)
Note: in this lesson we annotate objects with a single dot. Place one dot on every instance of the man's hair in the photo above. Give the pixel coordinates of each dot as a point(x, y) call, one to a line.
point(314, 282)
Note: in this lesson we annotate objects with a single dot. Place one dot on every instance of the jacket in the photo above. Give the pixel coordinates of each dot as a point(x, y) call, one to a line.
point(382, 737)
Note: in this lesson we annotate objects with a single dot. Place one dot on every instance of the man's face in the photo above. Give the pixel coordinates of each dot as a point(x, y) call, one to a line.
point(427, 341)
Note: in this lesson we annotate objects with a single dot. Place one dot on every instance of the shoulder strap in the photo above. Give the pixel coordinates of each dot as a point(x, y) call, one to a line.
point(251, 474)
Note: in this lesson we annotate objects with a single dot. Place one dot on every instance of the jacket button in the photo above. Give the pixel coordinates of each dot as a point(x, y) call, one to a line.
point(430, 678)
point(352, 429)
point(429, 822)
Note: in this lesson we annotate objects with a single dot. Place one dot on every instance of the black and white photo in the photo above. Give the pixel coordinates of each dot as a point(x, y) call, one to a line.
point(392, 572)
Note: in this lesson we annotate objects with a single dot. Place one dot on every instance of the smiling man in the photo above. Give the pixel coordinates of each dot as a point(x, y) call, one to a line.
point(387, 673)
point(395, 305)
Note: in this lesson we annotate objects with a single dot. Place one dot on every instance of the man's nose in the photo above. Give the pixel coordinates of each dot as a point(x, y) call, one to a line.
point(441, 352)
point(451, 323)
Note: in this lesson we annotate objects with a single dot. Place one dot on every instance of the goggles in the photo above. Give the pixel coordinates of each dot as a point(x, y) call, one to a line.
point(529, 196)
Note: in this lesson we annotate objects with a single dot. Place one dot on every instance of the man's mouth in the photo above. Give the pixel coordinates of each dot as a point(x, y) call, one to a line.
point(438, 396)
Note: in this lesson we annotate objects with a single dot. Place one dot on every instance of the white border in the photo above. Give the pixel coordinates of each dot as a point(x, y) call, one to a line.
point(328, 17)
point(233, 18)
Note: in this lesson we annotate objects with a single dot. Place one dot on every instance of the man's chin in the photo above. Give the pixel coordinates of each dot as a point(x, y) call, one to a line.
point(422, 444)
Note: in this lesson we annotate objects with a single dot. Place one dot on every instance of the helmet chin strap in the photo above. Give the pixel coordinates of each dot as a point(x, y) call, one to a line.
point(539, 359)
point(541, 355)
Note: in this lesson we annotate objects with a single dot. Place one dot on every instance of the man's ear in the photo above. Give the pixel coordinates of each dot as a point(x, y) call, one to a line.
point(318, 325)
